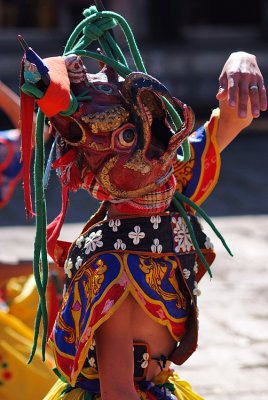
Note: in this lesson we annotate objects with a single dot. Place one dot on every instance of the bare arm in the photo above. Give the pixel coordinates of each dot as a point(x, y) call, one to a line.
point(10, 103)
point(241, 95)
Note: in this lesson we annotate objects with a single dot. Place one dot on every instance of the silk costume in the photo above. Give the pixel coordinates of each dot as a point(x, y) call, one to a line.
point(117, 142)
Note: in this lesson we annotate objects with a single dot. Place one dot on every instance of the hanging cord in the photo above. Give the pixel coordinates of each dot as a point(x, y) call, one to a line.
point(177, 200)
point(94, 27)
point(40, 262)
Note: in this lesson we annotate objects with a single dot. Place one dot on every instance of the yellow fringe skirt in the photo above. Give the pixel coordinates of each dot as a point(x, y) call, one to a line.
point(175, 388)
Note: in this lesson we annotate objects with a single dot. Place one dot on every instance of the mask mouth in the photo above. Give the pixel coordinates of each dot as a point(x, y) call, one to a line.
point(160, 137)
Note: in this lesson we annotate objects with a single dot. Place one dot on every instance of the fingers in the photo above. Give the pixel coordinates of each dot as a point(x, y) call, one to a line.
point(254, 99)
point(223, 88)
point(240, 87)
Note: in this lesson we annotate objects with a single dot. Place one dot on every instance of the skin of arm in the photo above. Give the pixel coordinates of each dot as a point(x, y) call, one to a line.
point(238, 103)
point(10, 103)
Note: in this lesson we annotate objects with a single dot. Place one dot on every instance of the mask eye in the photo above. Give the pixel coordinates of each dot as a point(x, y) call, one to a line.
point(126, 137)
point(104, 88)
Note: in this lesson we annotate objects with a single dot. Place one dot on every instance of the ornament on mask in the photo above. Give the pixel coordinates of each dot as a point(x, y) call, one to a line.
point(122, 132)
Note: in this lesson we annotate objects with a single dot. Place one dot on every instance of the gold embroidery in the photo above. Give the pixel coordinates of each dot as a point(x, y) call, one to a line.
point(113, 190)
point(91, 286)
point(106, 121)
point(136, 163)
point(154, 274)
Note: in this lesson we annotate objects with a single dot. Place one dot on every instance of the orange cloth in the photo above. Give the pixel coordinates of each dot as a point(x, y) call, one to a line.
point(57, 96)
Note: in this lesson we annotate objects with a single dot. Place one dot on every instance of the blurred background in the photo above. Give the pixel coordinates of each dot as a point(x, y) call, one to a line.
point(184, 45)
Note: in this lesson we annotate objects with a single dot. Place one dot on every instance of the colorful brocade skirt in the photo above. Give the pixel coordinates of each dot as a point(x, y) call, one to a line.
point(165, 386)
point(153, 259)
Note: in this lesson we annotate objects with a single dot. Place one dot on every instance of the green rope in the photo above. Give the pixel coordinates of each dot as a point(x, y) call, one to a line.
point(32, 90)
point(204, 215)
point(184, 215)
point(110, 48)
point(186, 151)
point(117, 66)
point(40, 262)
point(73, 105)
point(177, 200)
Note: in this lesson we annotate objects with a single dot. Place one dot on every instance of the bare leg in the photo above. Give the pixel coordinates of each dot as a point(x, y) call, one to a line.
point(114, 340)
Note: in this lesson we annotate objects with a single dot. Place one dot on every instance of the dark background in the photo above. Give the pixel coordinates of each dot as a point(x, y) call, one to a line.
point(184, 44)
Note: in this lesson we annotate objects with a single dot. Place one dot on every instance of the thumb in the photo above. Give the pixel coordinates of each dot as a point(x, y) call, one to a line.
point(222, 93)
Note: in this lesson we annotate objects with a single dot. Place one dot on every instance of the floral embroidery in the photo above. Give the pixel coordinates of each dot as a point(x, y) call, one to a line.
point(93, 241)
point(114, 224)
point(196, 291)
point(136, 235)
point(186, 273)
point(208, 244)
point(68, 265)
point(155, 220)
point(119, 245)
point(79, 241)
point(156, 247)
point(182, 235)
point(79, 262)
point(108, 304)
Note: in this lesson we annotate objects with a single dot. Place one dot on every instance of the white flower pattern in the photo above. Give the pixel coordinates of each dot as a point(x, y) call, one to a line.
point(119, 245)
point(78, 263)
point(79, 241)
point(68, 265)
point(114, 224)
point(181, 235)
point(136, 235)
point(155, 220)
point(93, 241)
point(186, 273)
point(156, 247)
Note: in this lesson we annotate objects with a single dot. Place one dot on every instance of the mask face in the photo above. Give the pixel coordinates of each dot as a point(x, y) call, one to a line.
point(121, 129)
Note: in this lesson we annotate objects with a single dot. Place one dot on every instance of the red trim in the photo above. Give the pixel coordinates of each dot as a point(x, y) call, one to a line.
point(27, 112)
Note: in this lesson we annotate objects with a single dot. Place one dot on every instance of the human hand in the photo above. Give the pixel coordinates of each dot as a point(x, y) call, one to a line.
point(240, 83)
